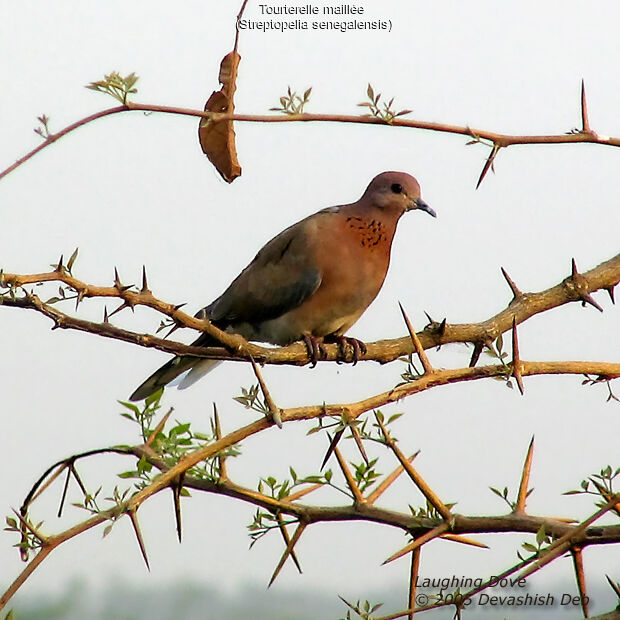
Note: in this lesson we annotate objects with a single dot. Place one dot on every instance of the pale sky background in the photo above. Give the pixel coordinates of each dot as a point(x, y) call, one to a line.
point(135, 189)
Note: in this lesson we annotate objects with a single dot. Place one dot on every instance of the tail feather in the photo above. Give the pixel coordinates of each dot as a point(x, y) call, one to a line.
point(164, 375)
point(199, 370)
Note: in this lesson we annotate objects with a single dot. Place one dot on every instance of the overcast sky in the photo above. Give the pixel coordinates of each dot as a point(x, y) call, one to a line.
point(136, 189)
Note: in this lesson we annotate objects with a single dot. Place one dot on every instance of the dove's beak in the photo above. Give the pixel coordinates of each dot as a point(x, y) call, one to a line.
point(420, 204)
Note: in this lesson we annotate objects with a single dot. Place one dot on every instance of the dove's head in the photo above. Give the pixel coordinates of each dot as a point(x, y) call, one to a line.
point(397, 192)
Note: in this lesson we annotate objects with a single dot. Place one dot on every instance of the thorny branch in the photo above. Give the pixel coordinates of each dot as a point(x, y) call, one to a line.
point(437, 521)
point(422, 526)
point(575, 287)
point(202, 467)
point(496, 140)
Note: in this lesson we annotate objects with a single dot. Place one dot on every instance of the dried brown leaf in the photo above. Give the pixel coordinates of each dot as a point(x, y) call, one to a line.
point(218, 139)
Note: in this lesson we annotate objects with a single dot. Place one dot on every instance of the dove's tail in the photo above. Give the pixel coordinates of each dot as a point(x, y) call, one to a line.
point(170, 371)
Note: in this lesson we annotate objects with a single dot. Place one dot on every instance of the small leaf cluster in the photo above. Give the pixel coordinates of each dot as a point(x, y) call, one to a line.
point(503, 494)
point(476, 139)
point(365, 474)
point(378, 436)
point(116, 86)
point(292, 103)
point(429, 511)
point(172, 445)
point(411, 373)
point(599, 485)
point(65, 292)
point(112, 513)
point(589, 380)
point(143, 417)
point(28, 538)
point(383, 112)
point(252, 398)
point(264, 521)
point(542, 538)
point(363, 609)
point(43, 130)
point(496, 351)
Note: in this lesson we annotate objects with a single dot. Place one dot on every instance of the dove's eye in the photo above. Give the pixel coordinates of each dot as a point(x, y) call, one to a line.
point(397, 188)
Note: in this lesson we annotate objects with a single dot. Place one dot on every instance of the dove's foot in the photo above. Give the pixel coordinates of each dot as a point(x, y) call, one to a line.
point(315, 349)
point(344, 342)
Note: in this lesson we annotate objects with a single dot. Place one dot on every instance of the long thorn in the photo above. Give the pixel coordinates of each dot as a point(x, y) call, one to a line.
point(357, 494)
point(488, 164)
point(475, 356)
point(464, 541)
point(332, 445)
point(48, 482)
point(177, 487)
point(136, 527)
point(358, 440)
point(430, 495)
point(413, 580)
point(428, 368)
point(121, 307)
point(516, 293)
point(418, 542)
point(287, 540)
point(64, 492)
point(291, 545)
point(581, 579)
point(585, 121)
point(221, 458)
point(610, 290)
point(158, 429)
point(273, 409)
point(614, 586)
point(303, 492)
point(516, 360)
point(387, 481)
point(145, 286)
point(525, 479)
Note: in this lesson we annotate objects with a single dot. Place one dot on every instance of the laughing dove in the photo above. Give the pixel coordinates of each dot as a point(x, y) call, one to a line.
point(313, 281)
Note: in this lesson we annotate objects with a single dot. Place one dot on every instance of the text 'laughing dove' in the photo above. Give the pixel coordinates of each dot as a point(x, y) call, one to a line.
point(311, 282)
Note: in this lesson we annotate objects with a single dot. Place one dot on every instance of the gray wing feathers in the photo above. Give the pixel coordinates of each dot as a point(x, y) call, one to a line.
point(281, 277)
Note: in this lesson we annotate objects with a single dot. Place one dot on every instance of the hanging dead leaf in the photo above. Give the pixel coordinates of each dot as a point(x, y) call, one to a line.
point(218, 139)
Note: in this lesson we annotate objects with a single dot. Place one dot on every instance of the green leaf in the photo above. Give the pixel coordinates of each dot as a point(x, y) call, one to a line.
point(180, 429)
point(72, 260)
point(540, 535)
point(154, 398)
point(130, 406)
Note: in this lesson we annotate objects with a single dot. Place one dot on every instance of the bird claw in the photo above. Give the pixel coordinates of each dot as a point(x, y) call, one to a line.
point(315, 349)
point(359, 348)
